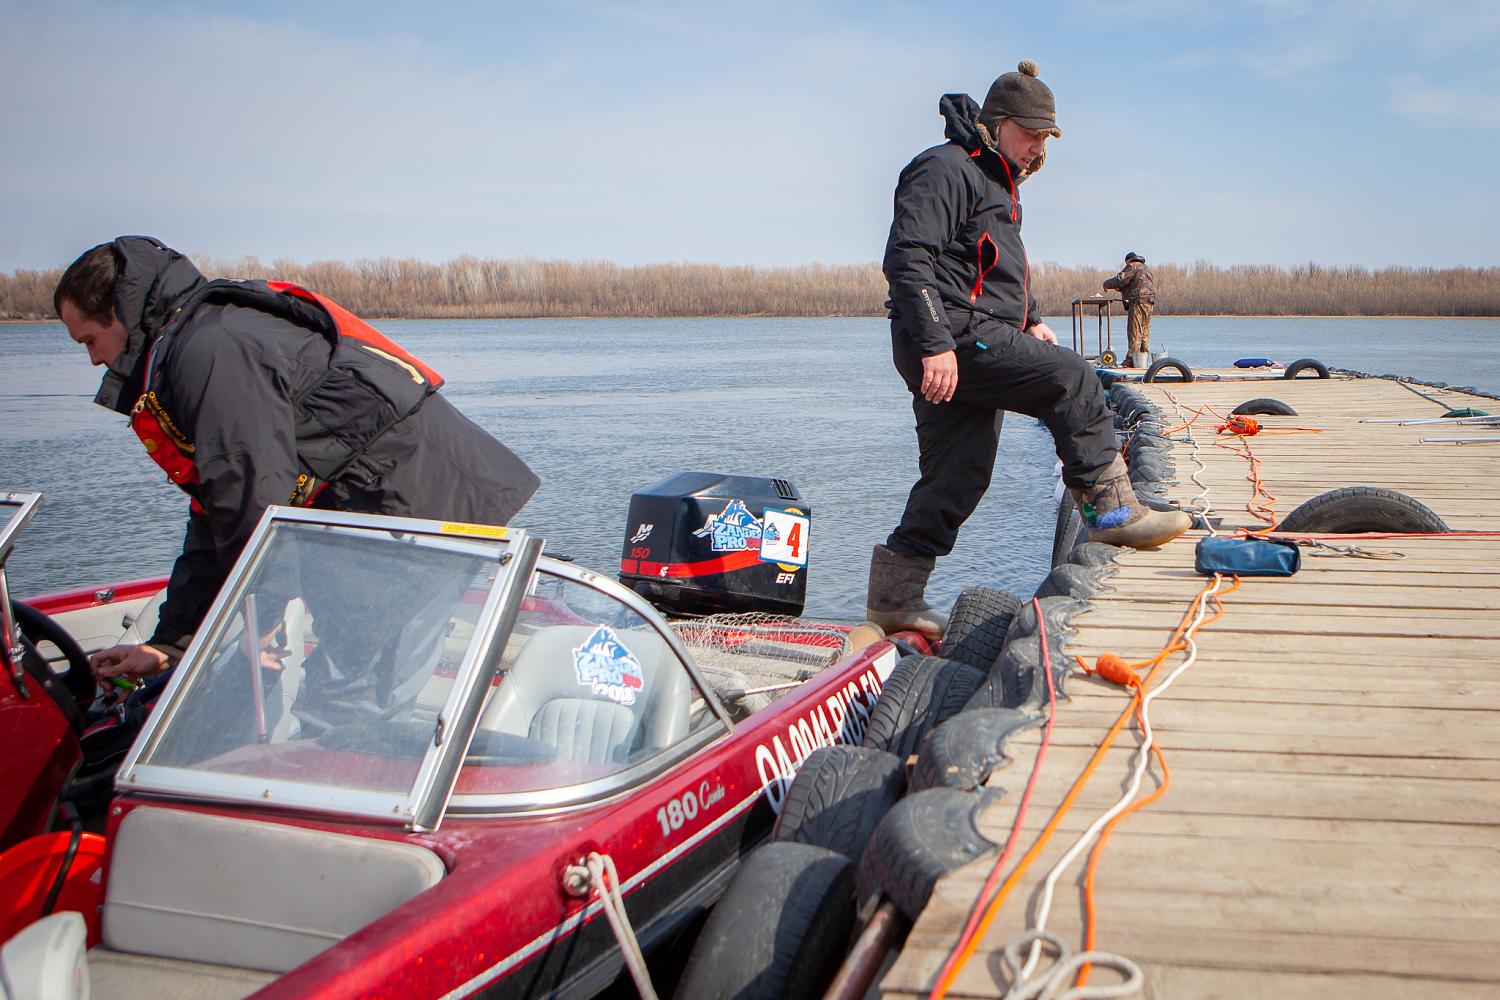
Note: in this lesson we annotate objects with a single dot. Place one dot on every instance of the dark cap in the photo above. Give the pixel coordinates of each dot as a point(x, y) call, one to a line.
point(1023, 97)
point(1132, 255)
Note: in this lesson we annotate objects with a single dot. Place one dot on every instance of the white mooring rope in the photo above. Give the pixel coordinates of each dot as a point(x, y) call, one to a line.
point(606, 882)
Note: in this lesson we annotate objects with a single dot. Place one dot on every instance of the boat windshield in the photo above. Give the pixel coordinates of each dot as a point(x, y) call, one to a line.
point(338, 666)
point(362, 670)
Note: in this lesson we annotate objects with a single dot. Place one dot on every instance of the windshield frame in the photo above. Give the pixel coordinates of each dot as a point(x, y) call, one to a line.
point(26, 504)
point(422, 806)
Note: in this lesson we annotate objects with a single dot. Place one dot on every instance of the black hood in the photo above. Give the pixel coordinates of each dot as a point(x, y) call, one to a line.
point(961, 117)
point(151, 277)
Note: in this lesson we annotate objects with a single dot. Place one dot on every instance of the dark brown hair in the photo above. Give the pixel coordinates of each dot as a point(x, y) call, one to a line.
point(89, 283)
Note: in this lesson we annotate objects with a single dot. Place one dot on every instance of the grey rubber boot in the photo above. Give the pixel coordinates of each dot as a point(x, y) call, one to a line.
point(895, 599)
point(1115, 516)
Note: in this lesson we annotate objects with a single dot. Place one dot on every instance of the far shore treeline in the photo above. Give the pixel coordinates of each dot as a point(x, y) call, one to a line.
point(471, 287)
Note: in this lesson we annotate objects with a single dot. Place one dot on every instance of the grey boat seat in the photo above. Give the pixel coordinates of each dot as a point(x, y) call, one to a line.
point(195, 894)
point(542, 697)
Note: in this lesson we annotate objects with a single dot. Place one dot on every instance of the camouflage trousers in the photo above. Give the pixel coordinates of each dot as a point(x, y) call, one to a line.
point(1139, 327)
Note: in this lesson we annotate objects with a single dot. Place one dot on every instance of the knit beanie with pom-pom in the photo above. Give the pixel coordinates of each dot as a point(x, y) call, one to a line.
point(1023, 97)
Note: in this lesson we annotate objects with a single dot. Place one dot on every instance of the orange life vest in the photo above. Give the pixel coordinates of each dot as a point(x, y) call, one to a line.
point(170, 448)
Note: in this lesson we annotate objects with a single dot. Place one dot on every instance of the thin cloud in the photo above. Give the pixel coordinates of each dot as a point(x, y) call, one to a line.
point(1472, 105)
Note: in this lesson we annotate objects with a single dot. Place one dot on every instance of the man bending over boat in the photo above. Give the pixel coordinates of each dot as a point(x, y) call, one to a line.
point(251, 393)
point(968, 342)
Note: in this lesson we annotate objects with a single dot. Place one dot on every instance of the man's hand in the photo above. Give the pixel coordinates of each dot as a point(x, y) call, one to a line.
point(939, 377)
point(1042, 332)
point(127, 662)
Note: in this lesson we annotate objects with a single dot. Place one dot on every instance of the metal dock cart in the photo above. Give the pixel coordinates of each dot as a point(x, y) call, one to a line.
point(1104, 310)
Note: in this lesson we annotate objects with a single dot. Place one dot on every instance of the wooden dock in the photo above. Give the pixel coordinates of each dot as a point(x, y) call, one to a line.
point(1332, 825)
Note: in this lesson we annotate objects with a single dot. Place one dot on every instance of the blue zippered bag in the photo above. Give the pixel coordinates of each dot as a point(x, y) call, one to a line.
point(1247, 557)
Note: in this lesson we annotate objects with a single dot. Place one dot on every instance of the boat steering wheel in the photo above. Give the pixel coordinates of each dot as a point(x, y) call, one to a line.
point(36, 627)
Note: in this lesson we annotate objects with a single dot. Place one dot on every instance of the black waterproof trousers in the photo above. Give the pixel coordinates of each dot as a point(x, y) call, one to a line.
point(999, 368)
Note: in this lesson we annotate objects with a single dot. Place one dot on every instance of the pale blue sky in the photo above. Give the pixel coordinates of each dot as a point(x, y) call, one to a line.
point(1259, 131)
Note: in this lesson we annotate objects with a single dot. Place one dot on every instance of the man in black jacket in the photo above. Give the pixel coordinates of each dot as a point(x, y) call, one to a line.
point(969, 344)
point(256, 393)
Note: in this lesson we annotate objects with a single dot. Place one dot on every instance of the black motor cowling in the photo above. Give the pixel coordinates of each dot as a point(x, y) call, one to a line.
point(705, 542)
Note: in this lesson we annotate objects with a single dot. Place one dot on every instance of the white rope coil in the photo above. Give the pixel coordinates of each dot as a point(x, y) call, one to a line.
point(1052, 984)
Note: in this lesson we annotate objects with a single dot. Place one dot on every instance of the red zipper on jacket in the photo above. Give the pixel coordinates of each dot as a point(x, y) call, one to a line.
point(980, 265)
point(1025, 257)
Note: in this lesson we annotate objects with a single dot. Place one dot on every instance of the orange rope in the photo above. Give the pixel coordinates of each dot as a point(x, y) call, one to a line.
point(992, 908)
point(1260, 509)
point(1089, 910)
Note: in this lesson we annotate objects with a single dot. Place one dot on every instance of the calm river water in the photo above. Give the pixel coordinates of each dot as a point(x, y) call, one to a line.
point(601, 408)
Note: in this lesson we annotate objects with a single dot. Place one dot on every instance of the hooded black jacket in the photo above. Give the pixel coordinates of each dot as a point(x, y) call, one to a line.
point(256, 396)
point(955, 245)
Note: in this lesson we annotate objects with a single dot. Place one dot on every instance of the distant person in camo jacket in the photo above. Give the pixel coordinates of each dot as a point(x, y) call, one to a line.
point(1138, 289)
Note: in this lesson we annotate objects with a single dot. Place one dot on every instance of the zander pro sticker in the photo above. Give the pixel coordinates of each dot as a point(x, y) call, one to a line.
point(607, 667)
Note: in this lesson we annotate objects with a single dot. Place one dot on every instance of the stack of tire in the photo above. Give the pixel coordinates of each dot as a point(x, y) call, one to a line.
point(854, 829)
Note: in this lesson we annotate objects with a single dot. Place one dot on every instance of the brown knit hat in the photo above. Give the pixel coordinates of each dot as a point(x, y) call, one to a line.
point(1023, 97)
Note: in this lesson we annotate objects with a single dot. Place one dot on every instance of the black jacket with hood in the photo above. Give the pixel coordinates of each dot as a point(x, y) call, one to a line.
point(955, 246)
point(263, 396)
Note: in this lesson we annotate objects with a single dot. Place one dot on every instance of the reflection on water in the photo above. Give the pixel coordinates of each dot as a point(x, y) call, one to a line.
point(601, 408)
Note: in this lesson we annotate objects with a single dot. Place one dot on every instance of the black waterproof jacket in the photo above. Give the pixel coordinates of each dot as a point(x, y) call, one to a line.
point(262, 399)
point(955, 245)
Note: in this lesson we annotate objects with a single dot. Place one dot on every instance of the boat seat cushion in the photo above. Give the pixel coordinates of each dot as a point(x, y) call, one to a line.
point(588, 731)
point(252, 895)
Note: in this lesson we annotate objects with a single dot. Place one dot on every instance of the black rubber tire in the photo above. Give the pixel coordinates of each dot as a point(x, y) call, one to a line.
point(1094, 554)
point(977, 625)
point(1304, 364)
point(1363, 508)
point(1108, 359)
point(964, 751)
point(838, 797)
point(921, 692)
point(927, 835)
point(1069, 530)
point(37, 626)
point(1070, 580)
point(1163, 363)
point(1264, 405)
point(781, 929)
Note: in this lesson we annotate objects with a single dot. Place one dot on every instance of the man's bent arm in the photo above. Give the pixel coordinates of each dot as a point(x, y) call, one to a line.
point(195, 581)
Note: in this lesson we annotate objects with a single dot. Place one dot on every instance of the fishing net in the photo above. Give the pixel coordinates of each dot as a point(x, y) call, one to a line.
point(754, 649)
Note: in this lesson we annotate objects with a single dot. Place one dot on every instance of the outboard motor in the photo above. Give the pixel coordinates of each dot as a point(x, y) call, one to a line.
point(704, 542)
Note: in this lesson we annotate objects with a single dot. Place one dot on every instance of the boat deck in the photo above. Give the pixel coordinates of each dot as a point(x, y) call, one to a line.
point(1332, 824)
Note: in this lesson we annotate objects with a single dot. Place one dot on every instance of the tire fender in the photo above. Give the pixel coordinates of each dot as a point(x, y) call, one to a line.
point(1163, 364)
point(964, 751)
point(780, 930)
point(1355, 509)
point(924, 837)
point(921, 692)
point(1306, 364)
point(1264, 405)
point(839, 795)
point(977, 625)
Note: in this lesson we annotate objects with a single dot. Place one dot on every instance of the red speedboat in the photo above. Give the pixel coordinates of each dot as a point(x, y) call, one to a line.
point(406, 758)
